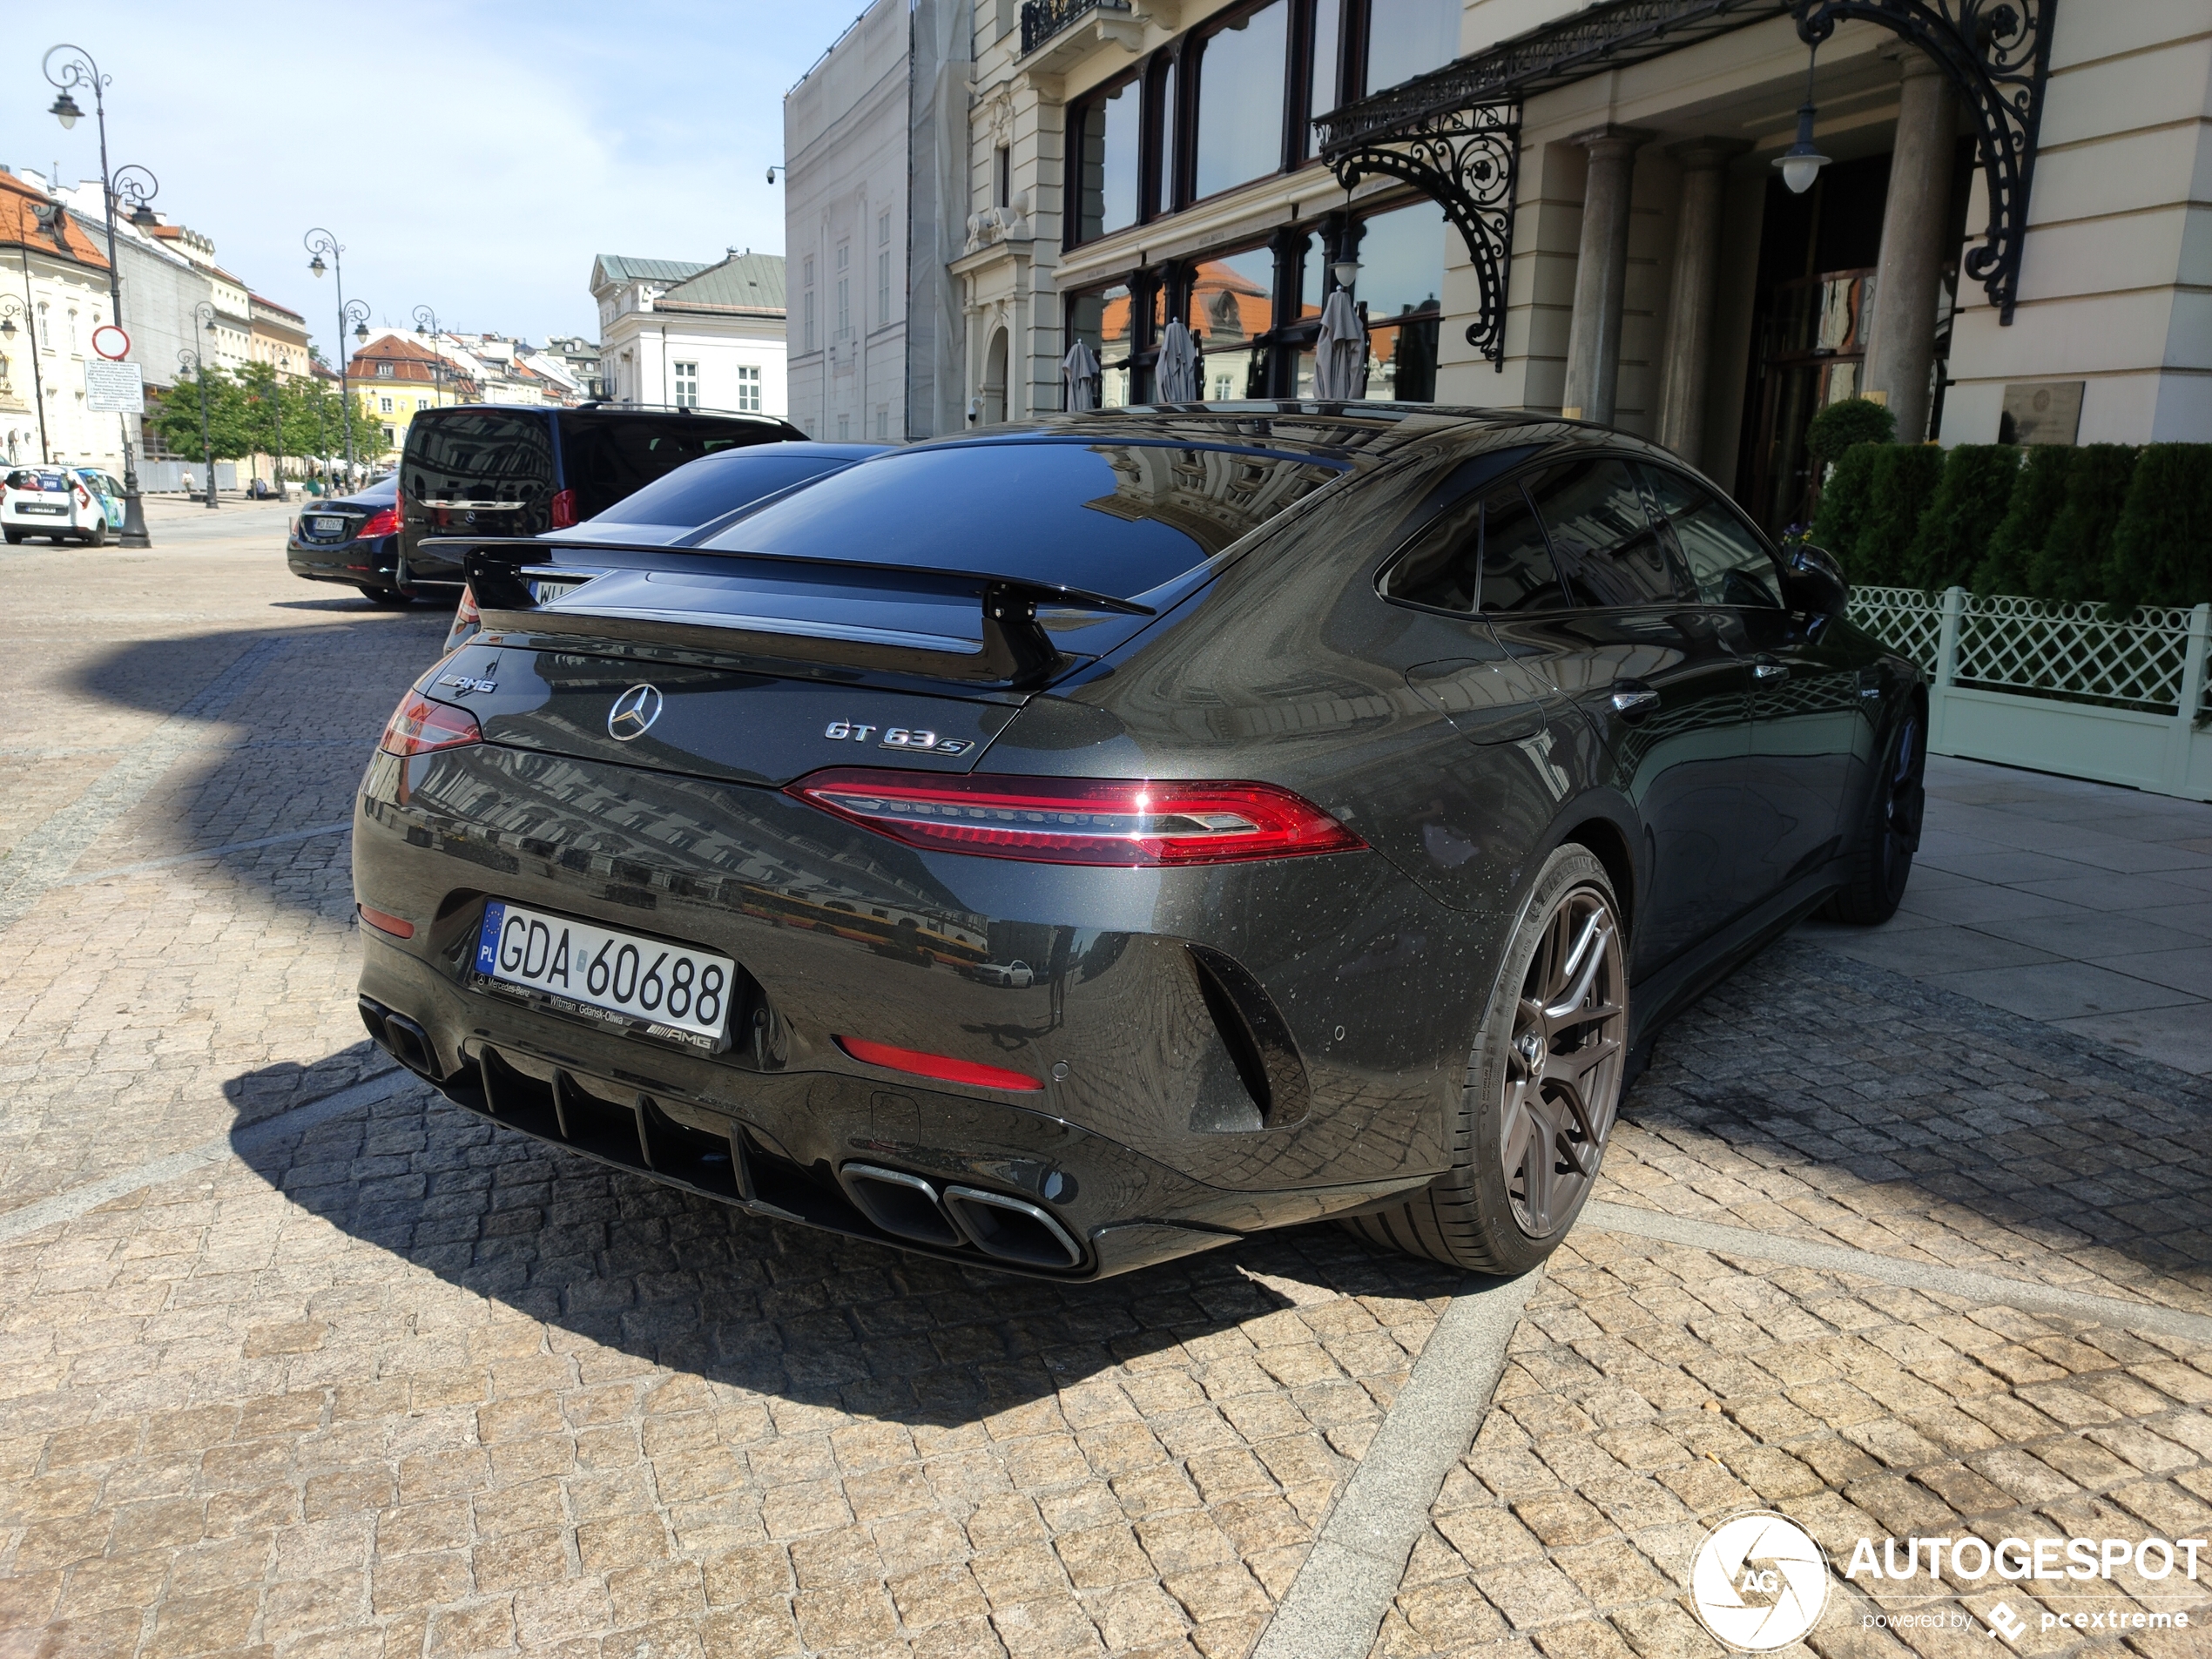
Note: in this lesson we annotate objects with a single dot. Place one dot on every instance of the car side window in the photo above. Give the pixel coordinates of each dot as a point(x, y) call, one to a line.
point(1487, 552)
point(1729, 564)
point(1601, 535)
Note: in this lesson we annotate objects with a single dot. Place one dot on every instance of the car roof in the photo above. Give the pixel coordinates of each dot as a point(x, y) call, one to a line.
point(797, 447)
point(1342, 430)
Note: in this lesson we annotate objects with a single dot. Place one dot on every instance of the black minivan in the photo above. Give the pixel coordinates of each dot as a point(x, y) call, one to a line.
point(505, 470)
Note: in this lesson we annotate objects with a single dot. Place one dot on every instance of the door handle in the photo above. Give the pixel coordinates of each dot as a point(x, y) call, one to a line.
point(1632, 700)
point(1767, 669)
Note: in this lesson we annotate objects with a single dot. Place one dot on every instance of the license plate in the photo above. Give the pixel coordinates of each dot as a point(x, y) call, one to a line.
point(643, 986)
point(38, 507)
point(541, 592)
point(325, 526)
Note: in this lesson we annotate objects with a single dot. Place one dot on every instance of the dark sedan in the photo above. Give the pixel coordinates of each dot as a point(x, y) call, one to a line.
point(352, 539)
point(1067, 846)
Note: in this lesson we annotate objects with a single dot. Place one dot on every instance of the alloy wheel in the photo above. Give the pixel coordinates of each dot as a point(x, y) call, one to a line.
point(1563, 1066)
point(1905, 801)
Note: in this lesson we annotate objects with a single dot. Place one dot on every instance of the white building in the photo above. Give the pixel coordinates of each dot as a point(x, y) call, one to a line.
point(1570, 208)
point(874, 198)
point(693, 336)
point(54, 292)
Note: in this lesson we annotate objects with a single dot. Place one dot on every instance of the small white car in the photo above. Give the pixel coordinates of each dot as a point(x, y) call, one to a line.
point(63, 503)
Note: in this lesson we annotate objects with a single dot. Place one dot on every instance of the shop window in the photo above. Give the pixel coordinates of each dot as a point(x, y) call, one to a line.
point(1409, 38)
point(1231, 306)
point(1326, 81)
point(1241, 72)
point(1106, 128)
point(1400, 289)
point(1103, 318)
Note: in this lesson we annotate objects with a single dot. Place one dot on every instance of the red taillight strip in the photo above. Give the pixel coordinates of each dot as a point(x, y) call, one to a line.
point(944, 1067)
point(385, 922)
point(421, 726)
point(1080, 820)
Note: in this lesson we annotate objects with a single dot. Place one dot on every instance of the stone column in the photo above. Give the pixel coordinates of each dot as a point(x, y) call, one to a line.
point(1900, 346)
point(1695, 292)
point(1601, 271)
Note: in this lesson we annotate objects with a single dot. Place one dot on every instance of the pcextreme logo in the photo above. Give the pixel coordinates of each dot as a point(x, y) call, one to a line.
point(1759, 1581)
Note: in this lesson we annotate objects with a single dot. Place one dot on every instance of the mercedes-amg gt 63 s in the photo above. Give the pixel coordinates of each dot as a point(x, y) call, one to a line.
point(1072, 845)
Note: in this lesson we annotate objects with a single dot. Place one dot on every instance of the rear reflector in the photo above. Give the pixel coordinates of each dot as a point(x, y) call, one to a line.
point(418, 726)
point(563, 508)
point(944, 1067)
point(385, 922)
point(1080, 820)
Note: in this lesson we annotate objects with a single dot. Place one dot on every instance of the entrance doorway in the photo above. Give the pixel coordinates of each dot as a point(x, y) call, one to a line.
point(1809, 314)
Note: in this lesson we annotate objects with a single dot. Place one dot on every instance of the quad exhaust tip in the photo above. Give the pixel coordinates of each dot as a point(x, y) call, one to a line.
point(1010, 1228)
point(401, 1038)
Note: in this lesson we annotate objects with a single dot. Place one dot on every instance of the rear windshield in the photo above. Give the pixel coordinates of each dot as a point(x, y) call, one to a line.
point(478, 455)
point(708, 487)
point(46, 482)
point(1114, 518)
point(607, 457)
point(385, 488)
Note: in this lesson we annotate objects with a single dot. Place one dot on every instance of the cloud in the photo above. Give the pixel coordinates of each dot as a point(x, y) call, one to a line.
point(470, 157)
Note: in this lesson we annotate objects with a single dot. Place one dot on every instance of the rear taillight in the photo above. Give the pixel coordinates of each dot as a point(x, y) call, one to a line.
point(419, 726)
point(467, 619)
point(941, 1067)
point(1080, 820)
point(384, 524)
point(563, 508)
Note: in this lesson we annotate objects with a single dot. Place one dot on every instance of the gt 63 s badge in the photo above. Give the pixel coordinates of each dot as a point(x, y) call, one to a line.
point(912, 740)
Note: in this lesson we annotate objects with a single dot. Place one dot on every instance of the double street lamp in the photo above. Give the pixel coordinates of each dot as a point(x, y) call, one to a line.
point(426, 322)
point(319, 242)
point(204, 312)
point(77, 69)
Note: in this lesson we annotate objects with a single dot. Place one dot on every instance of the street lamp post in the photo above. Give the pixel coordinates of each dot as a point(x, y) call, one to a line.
point(426, 321)
point(319, 242)
point(204, 312)
point(77, 69)
point(11, 309)
point(276, 430)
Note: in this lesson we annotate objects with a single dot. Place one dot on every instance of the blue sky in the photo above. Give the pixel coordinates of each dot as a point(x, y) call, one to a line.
point(472, 157)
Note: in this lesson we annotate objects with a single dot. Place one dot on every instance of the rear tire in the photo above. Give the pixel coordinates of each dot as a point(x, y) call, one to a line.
point(1543, 1086)
point(1880, 860)
point(96, 537)
point(388, 598)
point(15, 538)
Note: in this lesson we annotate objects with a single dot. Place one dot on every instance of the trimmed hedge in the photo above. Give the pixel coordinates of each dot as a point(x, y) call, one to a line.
point(1970, 503)
point(1843, 502)
point(2075, 560)
point(2038, 495)
point(2162, 548)
point(1899, 488)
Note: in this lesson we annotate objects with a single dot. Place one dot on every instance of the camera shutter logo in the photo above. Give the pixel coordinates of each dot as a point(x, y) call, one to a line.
point(634, 712)
point(1759, 1583)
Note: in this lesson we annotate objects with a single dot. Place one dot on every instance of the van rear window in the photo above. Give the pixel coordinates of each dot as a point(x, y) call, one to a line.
point(476, 455)
point(607, 457)
point(1114, 518)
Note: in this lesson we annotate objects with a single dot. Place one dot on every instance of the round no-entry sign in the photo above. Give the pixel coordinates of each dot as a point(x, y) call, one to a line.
point(110, 342)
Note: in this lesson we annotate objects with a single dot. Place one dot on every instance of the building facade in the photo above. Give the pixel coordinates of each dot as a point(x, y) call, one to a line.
point(875, 146)
point(1576, 209)
point(393, 378)
point(692, 336)
point(53, 294)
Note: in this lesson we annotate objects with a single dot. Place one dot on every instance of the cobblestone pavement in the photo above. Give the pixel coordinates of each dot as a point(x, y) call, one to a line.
point(392, 1382)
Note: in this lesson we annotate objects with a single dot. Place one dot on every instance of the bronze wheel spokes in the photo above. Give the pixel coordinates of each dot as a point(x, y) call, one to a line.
point(1563, 1064)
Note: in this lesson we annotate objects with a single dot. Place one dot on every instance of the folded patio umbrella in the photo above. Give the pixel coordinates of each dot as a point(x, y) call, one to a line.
point(1080, 374)
point(1340, 350)
point(1175, 375)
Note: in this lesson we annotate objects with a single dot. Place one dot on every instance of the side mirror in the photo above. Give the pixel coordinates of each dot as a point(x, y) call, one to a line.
point(1812, 580)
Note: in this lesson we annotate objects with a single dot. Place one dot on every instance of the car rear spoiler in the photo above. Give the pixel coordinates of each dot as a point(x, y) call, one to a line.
point(1010, 647)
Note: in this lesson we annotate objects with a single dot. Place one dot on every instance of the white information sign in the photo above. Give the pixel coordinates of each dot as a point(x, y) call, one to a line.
point(114, 389)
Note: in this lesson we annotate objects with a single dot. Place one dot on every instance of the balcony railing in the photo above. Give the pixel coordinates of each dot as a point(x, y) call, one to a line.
point(1042, 19)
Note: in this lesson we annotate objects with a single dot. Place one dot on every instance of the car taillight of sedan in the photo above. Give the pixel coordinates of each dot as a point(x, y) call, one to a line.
point(1080, 820)
point(419, 726)
point(384, 523)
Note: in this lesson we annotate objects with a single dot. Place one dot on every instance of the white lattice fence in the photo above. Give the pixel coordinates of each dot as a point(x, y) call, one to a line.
point(2058, 687)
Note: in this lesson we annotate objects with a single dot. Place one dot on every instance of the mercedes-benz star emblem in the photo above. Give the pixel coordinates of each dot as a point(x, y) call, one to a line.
point(633, 714)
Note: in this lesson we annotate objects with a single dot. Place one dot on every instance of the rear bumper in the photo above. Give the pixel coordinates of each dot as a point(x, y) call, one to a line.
point(1143, 1139)
point(368, 564)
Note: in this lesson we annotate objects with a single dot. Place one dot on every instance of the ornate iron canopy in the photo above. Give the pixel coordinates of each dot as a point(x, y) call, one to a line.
point(1998, 54)
point(1455, 133)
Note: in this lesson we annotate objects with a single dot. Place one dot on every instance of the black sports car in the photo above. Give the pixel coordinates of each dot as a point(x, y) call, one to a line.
point(1071, 846)
point(353, 539)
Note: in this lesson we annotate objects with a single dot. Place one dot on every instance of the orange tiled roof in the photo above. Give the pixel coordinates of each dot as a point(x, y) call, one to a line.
point(19, 226)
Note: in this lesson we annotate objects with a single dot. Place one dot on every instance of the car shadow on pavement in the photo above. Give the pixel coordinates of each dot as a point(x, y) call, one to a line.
point(607, 1258)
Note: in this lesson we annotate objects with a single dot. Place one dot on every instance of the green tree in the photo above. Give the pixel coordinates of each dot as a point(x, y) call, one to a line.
point(1848, 421)
point(229, 423)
